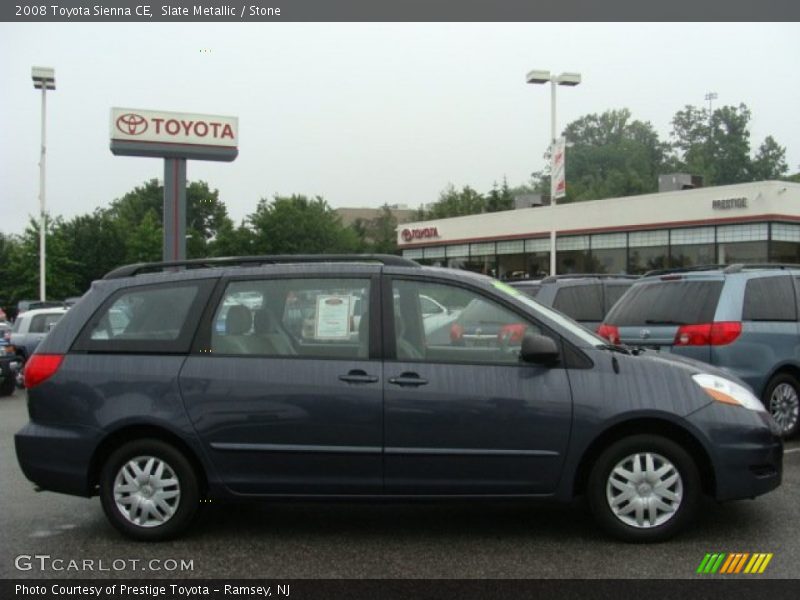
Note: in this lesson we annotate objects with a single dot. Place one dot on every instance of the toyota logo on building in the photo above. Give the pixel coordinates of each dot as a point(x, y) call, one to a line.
point(132, 124)
point(419, 234)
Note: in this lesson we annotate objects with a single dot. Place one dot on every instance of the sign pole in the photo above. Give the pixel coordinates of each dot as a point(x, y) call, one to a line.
point(174, 209)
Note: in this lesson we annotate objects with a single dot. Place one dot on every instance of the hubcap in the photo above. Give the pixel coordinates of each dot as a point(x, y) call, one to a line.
point(644, 490)
point(147, 491)
point(785, 406)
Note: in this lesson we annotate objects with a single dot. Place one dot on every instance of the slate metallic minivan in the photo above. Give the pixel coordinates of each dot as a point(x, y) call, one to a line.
point(170, 402)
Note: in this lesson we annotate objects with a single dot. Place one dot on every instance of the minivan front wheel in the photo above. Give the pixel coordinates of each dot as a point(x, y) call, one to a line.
point(644, 488)
point(782, 400)
point(149, 490)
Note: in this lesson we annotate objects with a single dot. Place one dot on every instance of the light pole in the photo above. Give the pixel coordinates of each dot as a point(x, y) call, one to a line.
point(44, 79)
point(570, 79)
point(710, 97)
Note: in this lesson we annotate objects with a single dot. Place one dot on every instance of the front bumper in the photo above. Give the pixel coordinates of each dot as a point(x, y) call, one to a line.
point(57, 458)
point(746, 450)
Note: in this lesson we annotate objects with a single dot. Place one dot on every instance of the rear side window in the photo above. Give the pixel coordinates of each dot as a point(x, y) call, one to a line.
point(769, 299)
point(614, 293)
point(581, 302)
point(158, 319)
point(44, 323)
point(667, 303)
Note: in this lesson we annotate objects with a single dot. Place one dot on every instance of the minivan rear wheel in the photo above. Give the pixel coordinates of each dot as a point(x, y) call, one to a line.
point(644, 488)
point(149, 490)
point(782, 400)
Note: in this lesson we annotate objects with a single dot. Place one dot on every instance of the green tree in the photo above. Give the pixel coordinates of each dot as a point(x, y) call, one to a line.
point(93, 240)
point(717, 146)
point(299, 225)
point(611, 154)
point(454, 203)
point(23, 267)
point(378, 234)
point(205, 213)
point(499, 198)
point(769, 161)
point(144, 241)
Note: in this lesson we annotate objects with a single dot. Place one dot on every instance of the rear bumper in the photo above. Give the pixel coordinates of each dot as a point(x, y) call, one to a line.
point(57, 458)
point(747, 451)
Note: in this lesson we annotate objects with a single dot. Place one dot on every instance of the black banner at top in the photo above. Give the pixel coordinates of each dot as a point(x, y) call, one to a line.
point(397, 10)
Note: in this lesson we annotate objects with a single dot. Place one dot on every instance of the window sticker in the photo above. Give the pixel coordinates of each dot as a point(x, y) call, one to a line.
point(332, 317)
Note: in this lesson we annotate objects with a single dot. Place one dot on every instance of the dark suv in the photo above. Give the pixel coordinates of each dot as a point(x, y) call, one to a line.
point(740, 317)
point(587, 298)
point(162, 389)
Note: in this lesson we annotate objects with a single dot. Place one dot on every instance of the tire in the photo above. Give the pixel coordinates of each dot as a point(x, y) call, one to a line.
point(665, 509)
point(8, 384)
point(146, 507)
point(782, 400)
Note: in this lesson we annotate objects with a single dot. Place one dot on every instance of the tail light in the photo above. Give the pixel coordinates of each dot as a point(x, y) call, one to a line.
point(610, 332)
point(708, 334)
point(41, 367)
point(456, 332)
point(513, 332)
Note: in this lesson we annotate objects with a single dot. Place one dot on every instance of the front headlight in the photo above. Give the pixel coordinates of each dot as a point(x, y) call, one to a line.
point(727, 391)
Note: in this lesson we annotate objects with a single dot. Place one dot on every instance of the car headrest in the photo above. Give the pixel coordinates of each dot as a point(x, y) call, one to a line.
point(239, 320)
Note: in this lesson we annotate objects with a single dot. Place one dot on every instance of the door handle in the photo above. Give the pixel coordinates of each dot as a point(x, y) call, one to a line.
point(358, 376)
point(408, 379)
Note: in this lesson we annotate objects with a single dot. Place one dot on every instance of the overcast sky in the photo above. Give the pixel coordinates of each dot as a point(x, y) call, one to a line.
point(363, 114)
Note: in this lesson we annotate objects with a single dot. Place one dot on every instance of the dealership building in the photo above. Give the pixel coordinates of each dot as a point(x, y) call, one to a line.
point(743, 223)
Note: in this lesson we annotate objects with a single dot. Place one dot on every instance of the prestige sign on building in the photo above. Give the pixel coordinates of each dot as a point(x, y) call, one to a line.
point(137, 132)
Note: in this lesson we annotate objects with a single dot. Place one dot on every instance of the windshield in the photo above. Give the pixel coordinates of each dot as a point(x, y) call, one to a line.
point(574, 328)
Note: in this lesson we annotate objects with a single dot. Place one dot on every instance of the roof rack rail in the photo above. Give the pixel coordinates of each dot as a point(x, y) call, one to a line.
point(739, 267)
point(208, 263)
point(552, 278)
point(655, 272)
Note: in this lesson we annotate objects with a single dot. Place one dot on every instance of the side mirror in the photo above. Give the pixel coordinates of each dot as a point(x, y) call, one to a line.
point(539, 349)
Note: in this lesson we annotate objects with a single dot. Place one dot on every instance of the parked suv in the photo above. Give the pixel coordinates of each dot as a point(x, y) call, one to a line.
point(31, 327)
point(586, 298)
point(168, 409)
point(740, 317)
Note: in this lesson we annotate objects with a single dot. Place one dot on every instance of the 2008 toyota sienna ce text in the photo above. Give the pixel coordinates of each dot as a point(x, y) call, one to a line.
point(253, 378)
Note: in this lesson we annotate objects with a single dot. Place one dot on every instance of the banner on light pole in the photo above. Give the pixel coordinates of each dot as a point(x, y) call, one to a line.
point(558, 182)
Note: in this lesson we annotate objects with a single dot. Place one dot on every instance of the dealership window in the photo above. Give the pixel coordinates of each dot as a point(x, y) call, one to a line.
point(743, 243)
point(511, 262)
point(647, 250)
point(412, 253)
point(572, 254)
point(457, 256)
point(538, 257)
point(785, 245)
point(692, 246)
point(433, 256)
point(609, 254)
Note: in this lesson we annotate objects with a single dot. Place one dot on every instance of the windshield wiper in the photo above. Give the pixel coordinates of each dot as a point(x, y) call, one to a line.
point(622, 349)
point(614, 348)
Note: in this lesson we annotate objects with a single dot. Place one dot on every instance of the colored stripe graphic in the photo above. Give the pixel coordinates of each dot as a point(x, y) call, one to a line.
point(733, 563)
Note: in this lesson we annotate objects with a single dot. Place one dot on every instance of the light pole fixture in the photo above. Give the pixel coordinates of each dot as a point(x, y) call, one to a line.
point(570, 79)
point(710, 97)
point(44, 78)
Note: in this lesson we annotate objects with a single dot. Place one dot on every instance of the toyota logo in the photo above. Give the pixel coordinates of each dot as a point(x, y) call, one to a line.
point(407, 235)
point(132, 124)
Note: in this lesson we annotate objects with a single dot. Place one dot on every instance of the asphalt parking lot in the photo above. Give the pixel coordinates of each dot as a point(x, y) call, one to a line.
point(452, 540)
